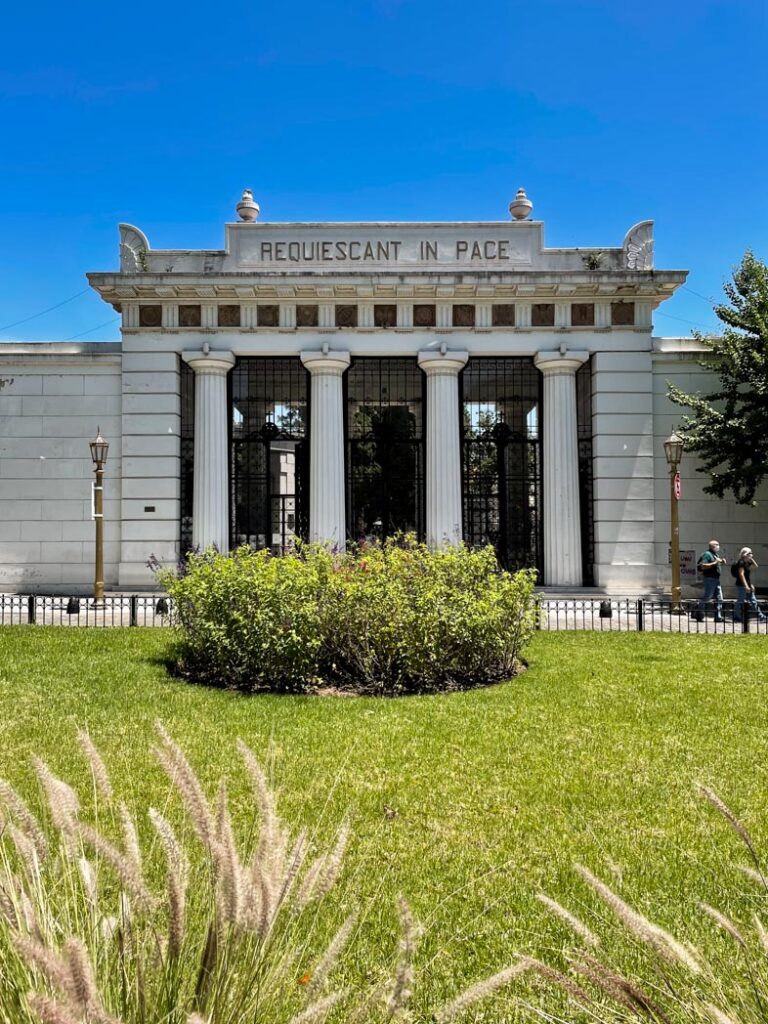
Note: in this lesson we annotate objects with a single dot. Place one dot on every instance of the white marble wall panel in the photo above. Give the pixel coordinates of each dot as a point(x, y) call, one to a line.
point(54, 400)
point(623, 465)
point(151, 427)
point(702, 516)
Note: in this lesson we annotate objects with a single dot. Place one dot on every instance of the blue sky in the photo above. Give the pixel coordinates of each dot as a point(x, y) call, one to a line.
point(159, 115)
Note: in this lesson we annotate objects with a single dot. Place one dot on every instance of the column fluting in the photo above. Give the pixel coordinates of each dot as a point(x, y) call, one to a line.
point(444, 511)
point(327, 506)
point(560, 457)
point(210, 492)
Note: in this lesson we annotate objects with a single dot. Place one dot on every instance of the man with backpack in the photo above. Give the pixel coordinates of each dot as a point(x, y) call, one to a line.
point(709, 566)
point(745, 590)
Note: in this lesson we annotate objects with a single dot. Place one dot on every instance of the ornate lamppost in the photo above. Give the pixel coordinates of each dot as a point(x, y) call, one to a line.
point(99, 448)
point(673, 450)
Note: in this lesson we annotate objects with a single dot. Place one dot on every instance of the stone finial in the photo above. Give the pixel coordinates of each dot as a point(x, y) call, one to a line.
point(521, 205)
point(247, 209)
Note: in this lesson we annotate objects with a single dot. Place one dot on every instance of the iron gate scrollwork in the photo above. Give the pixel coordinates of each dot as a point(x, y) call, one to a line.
point(501, 459)
point(385, 447)
point(269, 453)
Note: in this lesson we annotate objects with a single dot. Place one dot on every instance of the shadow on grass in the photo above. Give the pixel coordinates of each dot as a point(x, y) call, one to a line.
point(170, 662)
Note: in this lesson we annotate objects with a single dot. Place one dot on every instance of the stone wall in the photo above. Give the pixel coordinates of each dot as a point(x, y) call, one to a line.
point(702, 516)
point(622, 422)
point(151, 426)
point(53, 399)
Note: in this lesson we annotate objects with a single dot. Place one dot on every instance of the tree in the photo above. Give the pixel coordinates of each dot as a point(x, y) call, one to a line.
point(728, 429)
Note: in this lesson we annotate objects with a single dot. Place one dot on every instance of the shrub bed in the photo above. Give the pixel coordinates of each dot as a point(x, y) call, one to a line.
point(390, 619)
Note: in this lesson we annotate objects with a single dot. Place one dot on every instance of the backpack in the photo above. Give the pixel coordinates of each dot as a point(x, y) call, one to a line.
point(735, 570)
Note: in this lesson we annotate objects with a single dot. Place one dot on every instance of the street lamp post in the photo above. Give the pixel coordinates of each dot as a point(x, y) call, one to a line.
point(99, 449)
point(673, 450)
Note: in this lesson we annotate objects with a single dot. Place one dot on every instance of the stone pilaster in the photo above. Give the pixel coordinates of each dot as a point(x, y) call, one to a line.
point(326, 313)
point(327, 506)
point(210, 494)
point(444, 314)
point(560, 457)
point(170, 315)
point(483, 315)
point(405, 315)
point(444, 518)
point(365, 315)
point(287, 316)
point(602, 314)
point(130, 315)
point(562, 314)
point(523, 314)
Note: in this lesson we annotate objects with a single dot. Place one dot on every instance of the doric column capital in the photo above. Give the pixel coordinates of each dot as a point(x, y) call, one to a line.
point(436, 364)
point(216, 364)
point(326, 363)
point(559, 364)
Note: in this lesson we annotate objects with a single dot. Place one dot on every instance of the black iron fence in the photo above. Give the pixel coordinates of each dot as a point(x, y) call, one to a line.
point(42, 610)
point(611, 614)
point(639, 614)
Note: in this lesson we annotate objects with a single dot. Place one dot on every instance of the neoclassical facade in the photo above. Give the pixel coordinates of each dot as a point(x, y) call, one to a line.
point(348, 381)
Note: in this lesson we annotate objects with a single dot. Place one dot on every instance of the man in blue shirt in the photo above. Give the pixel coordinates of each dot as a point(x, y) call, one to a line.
point(709, 566)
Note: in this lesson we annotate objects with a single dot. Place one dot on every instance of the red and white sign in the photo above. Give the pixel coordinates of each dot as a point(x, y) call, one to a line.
point(678, 487)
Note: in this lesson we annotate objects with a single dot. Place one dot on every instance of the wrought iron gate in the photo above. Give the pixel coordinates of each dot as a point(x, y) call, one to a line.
point(269, 453)
point(385, 447)
point(501, 459)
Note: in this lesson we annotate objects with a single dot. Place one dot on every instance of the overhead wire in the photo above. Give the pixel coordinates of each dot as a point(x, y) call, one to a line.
point(92, 329)
point(682, 320)
point(42, 312)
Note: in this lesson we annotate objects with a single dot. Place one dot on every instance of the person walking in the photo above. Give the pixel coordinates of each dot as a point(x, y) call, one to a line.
point(745, 589)
point(709, 566)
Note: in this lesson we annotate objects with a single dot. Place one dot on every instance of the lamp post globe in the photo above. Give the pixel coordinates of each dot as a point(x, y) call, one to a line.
point(673, 451)
point(99, 449)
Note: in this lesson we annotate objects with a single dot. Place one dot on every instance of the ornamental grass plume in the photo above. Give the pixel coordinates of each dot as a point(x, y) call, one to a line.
point(669, 981)
point(195, 925)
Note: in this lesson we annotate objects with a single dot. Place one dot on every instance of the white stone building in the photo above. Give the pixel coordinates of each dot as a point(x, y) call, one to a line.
point(341, 381)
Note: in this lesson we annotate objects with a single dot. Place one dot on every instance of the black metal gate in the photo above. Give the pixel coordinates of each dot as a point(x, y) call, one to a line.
point(270, 453)
point(385, 447)
point(501, 459)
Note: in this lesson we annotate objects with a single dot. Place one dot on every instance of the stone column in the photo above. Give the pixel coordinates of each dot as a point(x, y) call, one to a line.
point(327, 505)
point(444, 513)
point(560, 457)
point(210, 493)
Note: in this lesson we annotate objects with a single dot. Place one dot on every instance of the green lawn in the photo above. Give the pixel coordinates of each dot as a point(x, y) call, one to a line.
point(467, 804)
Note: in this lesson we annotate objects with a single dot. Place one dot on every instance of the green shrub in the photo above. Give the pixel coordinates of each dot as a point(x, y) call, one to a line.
point(388, 619)
point(250, 620)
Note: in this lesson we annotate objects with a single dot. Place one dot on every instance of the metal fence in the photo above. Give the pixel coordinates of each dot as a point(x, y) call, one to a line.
point(41, 610)
point(641, 614)
point(604, 614)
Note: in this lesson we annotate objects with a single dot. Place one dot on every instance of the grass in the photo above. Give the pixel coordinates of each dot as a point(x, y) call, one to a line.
point(467, 804)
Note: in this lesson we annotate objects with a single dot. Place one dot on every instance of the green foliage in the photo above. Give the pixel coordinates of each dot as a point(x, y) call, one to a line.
point(728, 429)
point(467, 804)
point(237, 930)
point(389, 619)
